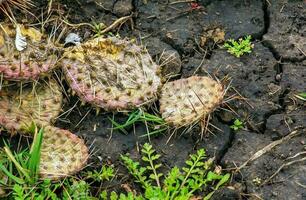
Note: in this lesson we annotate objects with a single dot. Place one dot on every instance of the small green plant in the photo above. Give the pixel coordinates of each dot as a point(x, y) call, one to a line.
point(237, 125)
point(155, 124)
point(179, 184)
point(240, 47)
point(22, 167)
point(19, 172)
point(75, 189)
point(97, 28)
point(106, 173)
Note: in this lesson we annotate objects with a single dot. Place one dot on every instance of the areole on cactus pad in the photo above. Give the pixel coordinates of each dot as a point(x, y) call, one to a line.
point(186, 101)
point(111, 73)
point(36, 60)
point(62, 153)
point(33, 102)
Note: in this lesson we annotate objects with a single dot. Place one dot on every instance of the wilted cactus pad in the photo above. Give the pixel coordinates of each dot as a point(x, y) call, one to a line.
point(36, 60)
point(62, 153)
point(187, 100)
point(19, 107)
point(112, 73)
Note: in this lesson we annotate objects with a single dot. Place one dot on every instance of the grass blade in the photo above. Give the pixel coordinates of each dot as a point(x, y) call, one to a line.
point(34, 160)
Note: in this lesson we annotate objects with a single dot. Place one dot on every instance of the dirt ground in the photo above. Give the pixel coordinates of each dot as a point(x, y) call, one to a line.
point(269, 78)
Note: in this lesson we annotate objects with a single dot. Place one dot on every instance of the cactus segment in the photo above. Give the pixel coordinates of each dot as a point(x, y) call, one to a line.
point(19, 107)
point(62, 153)
point(36, 60)
point(186, 101)
point(112, 73)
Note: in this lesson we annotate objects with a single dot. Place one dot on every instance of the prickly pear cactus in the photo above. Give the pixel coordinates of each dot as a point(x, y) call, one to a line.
point(36, 102)
point(186, 101)
point(111, 73)
point(36, 60)
point(62, 153)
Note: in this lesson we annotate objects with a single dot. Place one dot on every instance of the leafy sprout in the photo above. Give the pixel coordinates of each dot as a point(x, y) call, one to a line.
point(240, 47)
point(237, 125)
point(178, 183)
point(155, 124)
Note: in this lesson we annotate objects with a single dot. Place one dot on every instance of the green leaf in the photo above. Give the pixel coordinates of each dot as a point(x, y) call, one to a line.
point(113, 196)
point(188, 162)
point(223, 180)
point(145, 159)
point(212, 176)
point(155, 157)
point(10, 175)
point(34, 159)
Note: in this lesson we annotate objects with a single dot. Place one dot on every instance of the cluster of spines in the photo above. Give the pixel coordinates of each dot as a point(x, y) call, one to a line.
point(40, 103)
point(185, 101)
point(37, 60)
point(111, 73)
point(63, 153)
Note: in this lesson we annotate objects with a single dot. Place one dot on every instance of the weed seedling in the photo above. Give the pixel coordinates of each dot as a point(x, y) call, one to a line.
point(106, 173)
point(177, 184)
point(237, 125)
point(155, 124)
point(240, 47)
point(97, 28)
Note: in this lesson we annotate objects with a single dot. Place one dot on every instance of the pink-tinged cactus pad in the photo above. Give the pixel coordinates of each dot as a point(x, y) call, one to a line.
point(62, 153)
point(111, 73)
point(36, 60)
point(36, 102)
point(186, 101)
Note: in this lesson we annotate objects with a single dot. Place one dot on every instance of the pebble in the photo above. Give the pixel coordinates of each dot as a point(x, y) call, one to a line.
point(123, 8)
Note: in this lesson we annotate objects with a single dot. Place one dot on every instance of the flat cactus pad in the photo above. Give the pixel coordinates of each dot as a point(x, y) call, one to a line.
point(185, 101)
point(36, 60)
point(37, 102)
point(111, 73)
point(62, 153)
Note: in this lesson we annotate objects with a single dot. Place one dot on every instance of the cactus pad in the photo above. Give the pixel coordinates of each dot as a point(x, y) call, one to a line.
point(36, 60)
point(19, 107)
point(186, 101)
point(111, 73)
point(62, 153)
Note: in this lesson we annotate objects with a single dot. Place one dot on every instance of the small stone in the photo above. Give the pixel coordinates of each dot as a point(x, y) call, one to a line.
point(72, 38)
point(123, 8)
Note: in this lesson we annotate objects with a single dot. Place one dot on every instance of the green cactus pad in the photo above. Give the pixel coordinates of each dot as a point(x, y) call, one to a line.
point(20, 106)
point(186, 101)
point(62, 153)
point(36, 60)
point(112, 73)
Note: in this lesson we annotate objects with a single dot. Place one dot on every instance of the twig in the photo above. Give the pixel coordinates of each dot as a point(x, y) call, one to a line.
point(300, 184)
point(116, 23)
point(281, 167)
point(181, 1)
point(301, 50)
point(270, 146)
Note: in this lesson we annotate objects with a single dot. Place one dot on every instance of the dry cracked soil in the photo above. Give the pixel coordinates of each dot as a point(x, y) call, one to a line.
point(268, 78)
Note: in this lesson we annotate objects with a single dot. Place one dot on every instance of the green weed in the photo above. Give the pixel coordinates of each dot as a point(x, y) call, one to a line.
point(240, 47)
point(106, 173)
point(237, 125)
point(155, 124)
point(179, 184)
